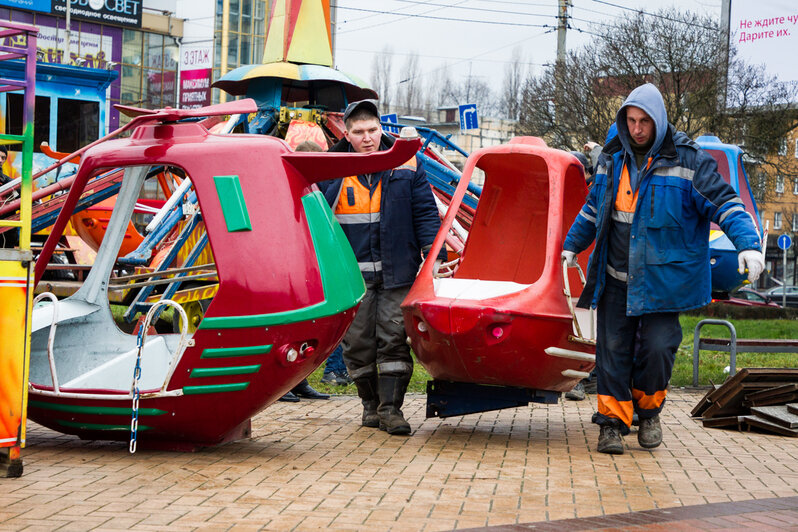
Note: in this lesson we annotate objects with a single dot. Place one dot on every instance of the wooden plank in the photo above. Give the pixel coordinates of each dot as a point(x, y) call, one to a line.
point(764, 424)
point(728, 421)
point(728, 399)
point(703, 403)
point(773, 400)
point(771, 391)
point(749, 342)
point(792, 408)
point(777, 414)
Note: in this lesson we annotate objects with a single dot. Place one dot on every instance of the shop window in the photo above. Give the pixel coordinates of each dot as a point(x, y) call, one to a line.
point(780, 184)
point(776, 220)
point(41, 118)
point(78, 124)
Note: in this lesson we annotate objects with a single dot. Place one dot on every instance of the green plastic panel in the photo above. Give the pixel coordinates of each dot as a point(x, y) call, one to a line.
point(99, 410)
point(229, 370)
point(231, 198)
point(99, 426)
point(215, 388)
point(340, 276)
point(224, 352)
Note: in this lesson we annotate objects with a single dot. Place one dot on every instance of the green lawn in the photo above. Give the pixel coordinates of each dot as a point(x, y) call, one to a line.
point(710, 367)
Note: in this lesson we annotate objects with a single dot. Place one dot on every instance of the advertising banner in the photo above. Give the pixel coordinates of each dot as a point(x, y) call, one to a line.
point(196, 63)
point(42, 6)
point(119, 12)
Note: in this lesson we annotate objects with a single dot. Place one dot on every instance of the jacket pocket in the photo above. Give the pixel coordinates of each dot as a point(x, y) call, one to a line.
point(666, 206)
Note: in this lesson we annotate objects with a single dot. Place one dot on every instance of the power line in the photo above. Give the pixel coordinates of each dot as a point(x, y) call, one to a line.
point(656, 15)
point(474, 57)
point(449, 19)
point(427, 56)
point(402, 17)
point(480, 9)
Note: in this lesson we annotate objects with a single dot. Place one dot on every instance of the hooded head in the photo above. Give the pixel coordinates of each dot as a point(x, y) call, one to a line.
point(647, 98)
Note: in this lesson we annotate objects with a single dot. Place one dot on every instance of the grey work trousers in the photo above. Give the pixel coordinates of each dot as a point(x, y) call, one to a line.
point(376, 342)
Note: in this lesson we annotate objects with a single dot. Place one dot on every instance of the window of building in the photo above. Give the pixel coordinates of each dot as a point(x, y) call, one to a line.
point(794, 222)
point(780, 184)
point(41, 118)
point(796, 148)
point(149, 70)
point(247, 21)
point(776, 220)
point(78, 124)
point(782, 147)
point(795, 186)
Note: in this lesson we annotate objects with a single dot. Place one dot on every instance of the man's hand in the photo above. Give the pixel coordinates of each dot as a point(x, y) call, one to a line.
point(751, 261)
point(569, 257)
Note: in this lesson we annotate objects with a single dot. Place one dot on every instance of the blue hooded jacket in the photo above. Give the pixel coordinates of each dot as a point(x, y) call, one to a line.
point(679, 194)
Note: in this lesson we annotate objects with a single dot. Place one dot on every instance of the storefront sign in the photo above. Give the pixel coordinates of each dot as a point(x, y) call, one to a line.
point(119, 12)
point(42, 6)
point(196, 64)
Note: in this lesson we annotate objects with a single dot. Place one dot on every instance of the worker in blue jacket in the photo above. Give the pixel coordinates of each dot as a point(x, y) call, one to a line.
point(649, 211)
point(391, 220)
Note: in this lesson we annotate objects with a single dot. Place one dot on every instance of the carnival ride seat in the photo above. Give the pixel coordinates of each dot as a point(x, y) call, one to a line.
point(504, 317)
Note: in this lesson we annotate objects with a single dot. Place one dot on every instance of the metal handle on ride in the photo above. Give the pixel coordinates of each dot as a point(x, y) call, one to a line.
point(51, 336)
point(140, 340)
point(567, 291)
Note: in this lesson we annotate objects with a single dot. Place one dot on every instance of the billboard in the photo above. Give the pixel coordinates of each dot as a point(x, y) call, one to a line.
point(766, 33)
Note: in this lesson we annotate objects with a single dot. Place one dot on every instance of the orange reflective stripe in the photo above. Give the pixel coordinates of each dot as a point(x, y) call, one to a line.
point(611, 407)
point(410, 164)
point(363, 202)
point(625, 200)
point(649, 402)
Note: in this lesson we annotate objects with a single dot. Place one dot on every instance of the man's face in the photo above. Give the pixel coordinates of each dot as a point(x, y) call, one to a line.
point(641, 126)
point(364, 135)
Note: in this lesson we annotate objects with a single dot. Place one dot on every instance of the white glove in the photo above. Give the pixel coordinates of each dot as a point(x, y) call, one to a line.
point(750, 260)
point(569, 257)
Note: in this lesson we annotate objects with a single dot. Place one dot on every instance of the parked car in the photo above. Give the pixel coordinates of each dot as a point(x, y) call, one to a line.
point(777, 292)
point(748, 297)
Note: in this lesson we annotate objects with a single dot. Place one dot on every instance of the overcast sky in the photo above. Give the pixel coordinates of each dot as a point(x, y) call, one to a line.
point(476, 36)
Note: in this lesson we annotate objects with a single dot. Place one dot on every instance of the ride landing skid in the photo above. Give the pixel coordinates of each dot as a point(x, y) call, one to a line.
point(449, 399)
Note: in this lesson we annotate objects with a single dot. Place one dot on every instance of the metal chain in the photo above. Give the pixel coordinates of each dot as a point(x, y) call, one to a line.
point(134, 420)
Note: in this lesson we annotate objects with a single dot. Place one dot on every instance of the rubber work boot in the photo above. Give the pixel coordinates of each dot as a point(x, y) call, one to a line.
point(392, 395)
point(367, 391)
point(610, 440)
point(649, 435)
point(577, 393)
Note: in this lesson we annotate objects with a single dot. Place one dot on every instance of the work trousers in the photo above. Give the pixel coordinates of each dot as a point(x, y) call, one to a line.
point(376, 342)
point(634, 359)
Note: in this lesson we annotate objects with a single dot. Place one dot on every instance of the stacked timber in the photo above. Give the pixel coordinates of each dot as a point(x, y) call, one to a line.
point(760, 398)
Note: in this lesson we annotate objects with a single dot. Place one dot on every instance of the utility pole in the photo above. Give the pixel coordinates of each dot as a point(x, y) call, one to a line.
point(562, 26)
point(225, 45)
point(559, 65)
point(68, 34)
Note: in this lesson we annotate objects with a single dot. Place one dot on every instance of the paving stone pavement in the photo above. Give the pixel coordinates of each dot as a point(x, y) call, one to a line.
point(310, 466)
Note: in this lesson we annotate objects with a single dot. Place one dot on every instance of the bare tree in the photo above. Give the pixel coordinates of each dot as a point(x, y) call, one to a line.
point(381, 67)
point(687, 57)
point(410, 89)
point(513, 84)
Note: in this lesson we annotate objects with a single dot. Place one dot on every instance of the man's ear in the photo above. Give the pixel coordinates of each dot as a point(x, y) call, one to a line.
point(346, 135)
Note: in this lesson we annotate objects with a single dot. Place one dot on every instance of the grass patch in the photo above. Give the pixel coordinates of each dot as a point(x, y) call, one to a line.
point(712, 363)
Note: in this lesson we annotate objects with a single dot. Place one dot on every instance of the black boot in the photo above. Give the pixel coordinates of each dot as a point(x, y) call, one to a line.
point(367, 391)
point(392, 395)
point(304, 389)
point(289, 398)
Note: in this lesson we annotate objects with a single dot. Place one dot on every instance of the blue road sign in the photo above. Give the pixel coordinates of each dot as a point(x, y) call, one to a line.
point(468, 116)
point(784, 242)
point(393, 119)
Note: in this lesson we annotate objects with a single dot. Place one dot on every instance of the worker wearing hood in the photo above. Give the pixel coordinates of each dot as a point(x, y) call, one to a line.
point(649, 212)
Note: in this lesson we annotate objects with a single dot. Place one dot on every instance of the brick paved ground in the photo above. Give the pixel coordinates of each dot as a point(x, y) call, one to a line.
point(311, 466)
